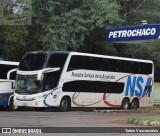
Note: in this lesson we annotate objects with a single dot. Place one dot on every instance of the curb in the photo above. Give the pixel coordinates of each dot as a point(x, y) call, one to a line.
point(144, 121)
point(155, 110)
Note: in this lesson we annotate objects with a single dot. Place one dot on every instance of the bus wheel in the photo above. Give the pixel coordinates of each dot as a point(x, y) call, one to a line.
point(65, 104)
point(125, 104)
point(11, 105)
point(135, 104)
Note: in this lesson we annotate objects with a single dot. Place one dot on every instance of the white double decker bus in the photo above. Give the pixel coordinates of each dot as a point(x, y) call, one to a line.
point(73, 79)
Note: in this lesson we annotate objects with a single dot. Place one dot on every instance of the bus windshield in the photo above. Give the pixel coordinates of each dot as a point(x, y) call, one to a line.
point(32, 62)
point(28, 84)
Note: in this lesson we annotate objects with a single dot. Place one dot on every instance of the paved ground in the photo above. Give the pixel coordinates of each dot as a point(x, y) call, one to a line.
point(98, 118)
point(63, 119)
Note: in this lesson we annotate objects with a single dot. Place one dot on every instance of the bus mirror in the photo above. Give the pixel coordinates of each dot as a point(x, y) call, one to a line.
point(9, 73)
point(46, 70)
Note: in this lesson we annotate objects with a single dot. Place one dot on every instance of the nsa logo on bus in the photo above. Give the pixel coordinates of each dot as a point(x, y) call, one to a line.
point(136, 86)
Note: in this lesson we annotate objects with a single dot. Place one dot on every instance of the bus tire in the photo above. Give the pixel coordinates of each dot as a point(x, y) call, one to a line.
point(125, 104)
point(64, 104)
point(11, 105)
point(134, 104)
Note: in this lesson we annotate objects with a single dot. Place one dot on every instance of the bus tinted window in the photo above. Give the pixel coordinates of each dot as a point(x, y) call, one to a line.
point(108, 64)
point(13, 75)
point(147, 68)
point(4, 70)
point(76, 62)
point(125, 66)
point(92, 63)
point(51, 80)
point(32, 62)
point(93, 86)
point(57, 60)
point(138, 67)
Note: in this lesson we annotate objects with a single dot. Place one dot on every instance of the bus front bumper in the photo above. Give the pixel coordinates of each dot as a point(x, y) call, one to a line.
point(35, 103)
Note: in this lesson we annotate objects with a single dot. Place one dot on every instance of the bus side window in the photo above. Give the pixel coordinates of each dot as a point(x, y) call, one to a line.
point(56, 60)
point(147, 68)
point(92, 63)
point(76, 62)
point(13, 75)
point(114, 66)
point(119, 66)
point(131, 68)
point(50, 80)
point(106, 65)
point(4, 70)
point(138, 68)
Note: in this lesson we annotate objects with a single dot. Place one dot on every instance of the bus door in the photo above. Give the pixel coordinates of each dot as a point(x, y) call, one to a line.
point(49, 83)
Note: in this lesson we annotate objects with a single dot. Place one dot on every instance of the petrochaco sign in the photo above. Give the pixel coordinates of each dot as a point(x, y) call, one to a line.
point(132, 33)
point(143, 32)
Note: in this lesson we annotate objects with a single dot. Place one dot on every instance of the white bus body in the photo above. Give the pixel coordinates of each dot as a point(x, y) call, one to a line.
point(7, 82)
point(83, 80)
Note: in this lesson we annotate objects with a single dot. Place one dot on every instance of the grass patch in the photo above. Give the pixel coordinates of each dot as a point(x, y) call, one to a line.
point(146, 121)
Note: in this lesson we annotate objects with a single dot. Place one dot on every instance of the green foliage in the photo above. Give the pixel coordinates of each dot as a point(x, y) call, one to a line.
point(13, 41)
point(146, 121)
point(77, 25)
point(80, 25)
point(129, 8)
point(68, 24)
point(134, 11)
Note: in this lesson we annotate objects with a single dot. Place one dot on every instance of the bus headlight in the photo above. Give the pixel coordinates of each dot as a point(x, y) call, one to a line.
point(40, 96)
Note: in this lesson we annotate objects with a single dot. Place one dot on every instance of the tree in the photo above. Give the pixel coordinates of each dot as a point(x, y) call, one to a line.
point(72, 24)
point(134, 11)
point(149, 11)
point(13, 42)
point(62, 25)
point(104, 14)
point(129, 8)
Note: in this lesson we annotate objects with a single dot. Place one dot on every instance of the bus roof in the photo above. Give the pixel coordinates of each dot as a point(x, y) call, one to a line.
point(66, 52)
point(93, 55)
point(9, 63)
point(112, 57)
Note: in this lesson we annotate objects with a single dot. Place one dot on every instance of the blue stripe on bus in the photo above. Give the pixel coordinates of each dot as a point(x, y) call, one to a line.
point(4, 97)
